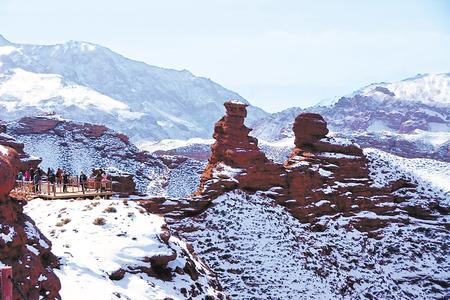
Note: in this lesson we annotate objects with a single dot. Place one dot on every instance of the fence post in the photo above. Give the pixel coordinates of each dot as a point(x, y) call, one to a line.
point(6, 283)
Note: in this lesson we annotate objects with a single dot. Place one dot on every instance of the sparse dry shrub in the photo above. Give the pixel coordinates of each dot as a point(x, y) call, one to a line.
point(110, 209)
point(99, 221)
point(63, 222)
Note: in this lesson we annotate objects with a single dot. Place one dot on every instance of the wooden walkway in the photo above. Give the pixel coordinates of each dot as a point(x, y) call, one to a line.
point(91, 194)
point(53, 191)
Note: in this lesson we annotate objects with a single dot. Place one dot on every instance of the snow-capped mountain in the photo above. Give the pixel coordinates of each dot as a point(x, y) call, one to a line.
point(410, 117)
point(90, 83)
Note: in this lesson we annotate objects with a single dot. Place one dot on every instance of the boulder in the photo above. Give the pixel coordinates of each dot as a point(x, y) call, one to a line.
point(309, 128)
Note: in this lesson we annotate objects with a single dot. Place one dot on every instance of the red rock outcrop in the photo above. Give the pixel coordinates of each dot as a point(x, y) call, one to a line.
point(26, 161)
point(236, 161)
point(52, 124)
point(37, 124)
point(22, 245)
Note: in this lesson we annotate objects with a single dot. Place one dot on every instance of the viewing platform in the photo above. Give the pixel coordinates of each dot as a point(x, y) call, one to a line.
point(72, 190)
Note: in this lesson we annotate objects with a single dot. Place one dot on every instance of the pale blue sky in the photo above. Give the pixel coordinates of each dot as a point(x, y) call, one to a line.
point(275, 53)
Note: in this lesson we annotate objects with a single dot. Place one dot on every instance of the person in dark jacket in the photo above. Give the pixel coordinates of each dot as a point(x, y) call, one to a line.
point(59, 173)
point(83, 180)
point(98, 181)
point(36, 180)
point(32, 174)
point(52, 179)
point(65, 181)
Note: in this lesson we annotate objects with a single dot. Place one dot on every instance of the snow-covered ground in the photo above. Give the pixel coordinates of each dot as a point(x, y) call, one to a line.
point(90, 253)
point(431, 176)
point(261, 252)
point(170, 144)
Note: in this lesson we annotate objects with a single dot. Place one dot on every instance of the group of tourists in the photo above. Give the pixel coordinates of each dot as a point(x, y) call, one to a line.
point(61, 178)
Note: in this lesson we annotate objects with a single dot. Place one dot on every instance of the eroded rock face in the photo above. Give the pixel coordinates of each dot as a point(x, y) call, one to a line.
point(22, 245)
point(236, 161)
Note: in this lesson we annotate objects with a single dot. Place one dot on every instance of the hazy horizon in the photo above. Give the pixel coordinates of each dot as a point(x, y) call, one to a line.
point(275, 56)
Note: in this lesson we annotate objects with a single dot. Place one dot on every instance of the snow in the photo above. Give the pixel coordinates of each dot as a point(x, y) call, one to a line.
point(170, 144)
point(224, 171)
point(7, 50)
point(378, 125)
point(439, 127)
point(435, 139)
point(432, 89)
point(42, 277)
point(431, 176)
point(7, 237)
point(336, 155)
point(32, 234)
point(279, 150)
point(261, 252)
point(3, 150)
point(33, 250)
point(89, 253)
point(32, 89)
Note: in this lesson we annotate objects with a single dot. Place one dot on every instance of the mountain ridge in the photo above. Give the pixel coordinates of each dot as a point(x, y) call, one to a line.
point(173, 103)
point(409, 118)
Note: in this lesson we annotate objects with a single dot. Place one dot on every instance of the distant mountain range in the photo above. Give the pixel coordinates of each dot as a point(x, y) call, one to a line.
point(86, 82)
point(409, 118)
point(89, 83)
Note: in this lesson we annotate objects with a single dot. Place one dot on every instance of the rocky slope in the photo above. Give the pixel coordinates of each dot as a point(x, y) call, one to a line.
point(410, 118)
point(89, 83)
point(331, 222)
point(22, 245)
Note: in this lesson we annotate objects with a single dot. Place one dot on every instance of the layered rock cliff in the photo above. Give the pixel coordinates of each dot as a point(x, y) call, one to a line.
point(22, 245)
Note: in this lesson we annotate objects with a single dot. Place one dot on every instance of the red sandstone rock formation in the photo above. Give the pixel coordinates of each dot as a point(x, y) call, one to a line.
point(322, 176)
point(329, 176)
point(236, 161)
point(22, 245)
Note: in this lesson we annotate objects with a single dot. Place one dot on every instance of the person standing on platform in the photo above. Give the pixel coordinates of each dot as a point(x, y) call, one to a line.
point(65, 179)
point(83, 180)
